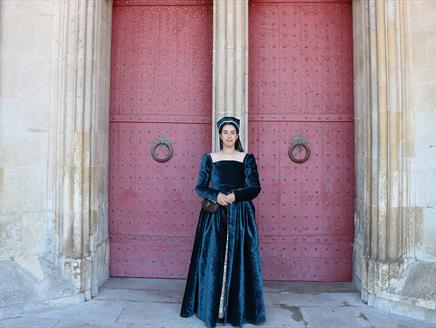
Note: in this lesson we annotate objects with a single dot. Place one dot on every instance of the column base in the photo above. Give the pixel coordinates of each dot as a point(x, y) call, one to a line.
point(405, 287)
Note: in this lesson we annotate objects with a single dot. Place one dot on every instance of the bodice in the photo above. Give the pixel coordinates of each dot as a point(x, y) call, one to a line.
point(227, 175)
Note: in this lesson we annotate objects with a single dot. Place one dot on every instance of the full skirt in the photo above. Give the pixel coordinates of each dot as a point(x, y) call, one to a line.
point(241, 296)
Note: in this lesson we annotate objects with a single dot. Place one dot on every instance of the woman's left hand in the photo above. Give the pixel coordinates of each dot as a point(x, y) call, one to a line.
point(230, 198)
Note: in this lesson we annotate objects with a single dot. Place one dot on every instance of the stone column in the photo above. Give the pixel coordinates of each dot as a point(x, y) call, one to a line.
point(383, 221)
point(230, 64)
point(79, 160)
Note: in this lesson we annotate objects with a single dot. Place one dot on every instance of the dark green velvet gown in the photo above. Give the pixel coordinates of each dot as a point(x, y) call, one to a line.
point(233, 226)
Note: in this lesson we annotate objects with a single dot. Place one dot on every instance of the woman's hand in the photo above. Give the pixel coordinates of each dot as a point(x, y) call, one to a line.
point(230, 198)
point(221, 199)
point(225, 200)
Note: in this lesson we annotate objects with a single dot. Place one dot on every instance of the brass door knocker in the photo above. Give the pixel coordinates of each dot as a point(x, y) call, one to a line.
point(162, 145)
point(301, 144)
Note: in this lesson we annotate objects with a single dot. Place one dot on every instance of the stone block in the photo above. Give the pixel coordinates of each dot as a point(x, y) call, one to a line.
point(425, 190)
point(25, 149)
point(29, 322)
point(161, 314)
point(10, 235)
point(344, 317)
point(160, 295)
point(425, 73)
point(295, 299)
point(424, 12)
point(26, 77)
point(143, 284)
point(426, 122)
point(25, 116)
point(425, 249)
point(24, 189)
point(83, 324)
point(91, 312)
point(281, 316)
point(27, 34)
point(424, 97)
point(16, 285)
point(419, 48)
point(33, 233)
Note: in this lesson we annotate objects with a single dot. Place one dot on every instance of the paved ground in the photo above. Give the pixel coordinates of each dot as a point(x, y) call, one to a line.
point(130, 302)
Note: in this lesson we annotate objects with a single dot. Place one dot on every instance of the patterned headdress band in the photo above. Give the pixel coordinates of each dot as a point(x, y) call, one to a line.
point(228, 120)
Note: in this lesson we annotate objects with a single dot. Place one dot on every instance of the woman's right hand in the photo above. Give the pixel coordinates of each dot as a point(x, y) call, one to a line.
point(222, 199)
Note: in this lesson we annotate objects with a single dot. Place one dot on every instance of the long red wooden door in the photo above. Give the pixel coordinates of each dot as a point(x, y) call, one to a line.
point(160, 91)
point(301, 86)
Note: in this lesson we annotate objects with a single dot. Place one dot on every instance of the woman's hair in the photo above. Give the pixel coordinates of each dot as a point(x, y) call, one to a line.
point(238, 145)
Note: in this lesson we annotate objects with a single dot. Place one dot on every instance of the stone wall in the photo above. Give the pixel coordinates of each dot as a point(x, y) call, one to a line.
point(420, 283)
point(54, 104)
point(423, 103)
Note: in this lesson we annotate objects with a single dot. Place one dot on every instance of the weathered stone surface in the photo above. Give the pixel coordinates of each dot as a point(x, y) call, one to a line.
point(31, 283)
point(421, 282)
point(10, 237)
point(12, 291)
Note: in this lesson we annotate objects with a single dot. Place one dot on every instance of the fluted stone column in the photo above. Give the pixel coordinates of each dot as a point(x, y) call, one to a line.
point(230, 64)
point(79, 161)
point(54, 152)
point(384, 227)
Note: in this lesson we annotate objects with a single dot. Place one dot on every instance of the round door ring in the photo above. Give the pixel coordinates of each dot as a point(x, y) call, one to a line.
point(301, 144)
point(162, 142)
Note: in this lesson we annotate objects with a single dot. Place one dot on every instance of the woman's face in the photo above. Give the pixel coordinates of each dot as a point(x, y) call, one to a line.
point(229, 135)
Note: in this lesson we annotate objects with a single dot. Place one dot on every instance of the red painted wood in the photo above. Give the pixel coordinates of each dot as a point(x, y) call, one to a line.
point(301, 83)
point(162, 2)
point(297, 1)
point(160, 84)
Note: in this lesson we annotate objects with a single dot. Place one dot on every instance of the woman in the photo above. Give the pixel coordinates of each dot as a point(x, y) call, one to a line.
point(225, 280)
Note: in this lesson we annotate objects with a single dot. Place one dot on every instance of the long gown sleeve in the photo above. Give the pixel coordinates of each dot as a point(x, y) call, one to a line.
point(202, 187)
point(252, 188)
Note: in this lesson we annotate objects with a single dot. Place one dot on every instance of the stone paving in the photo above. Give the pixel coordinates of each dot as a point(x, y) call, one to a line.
point(132, 302)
